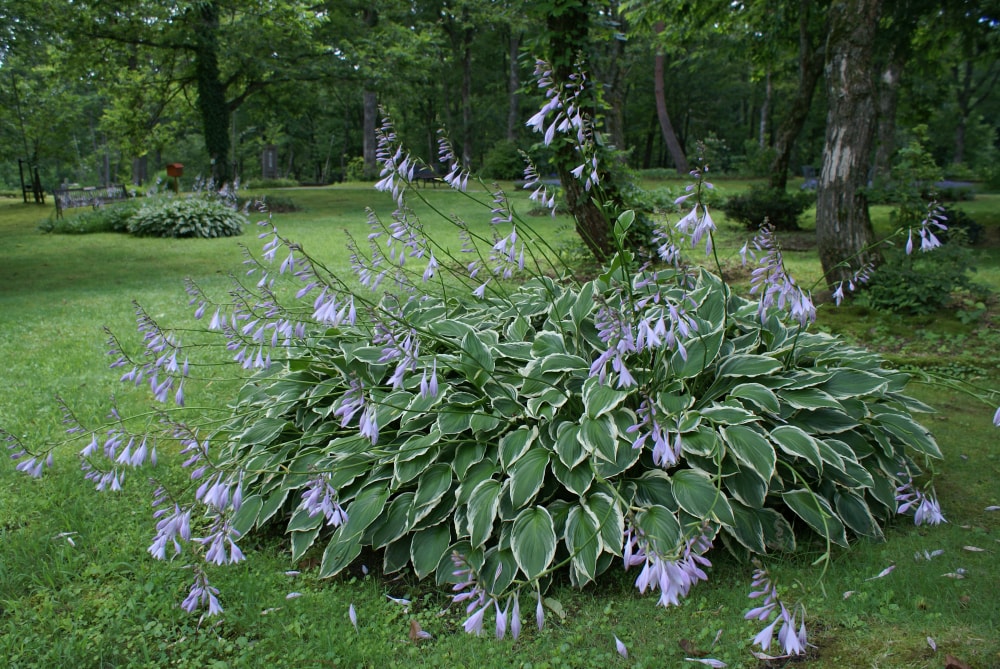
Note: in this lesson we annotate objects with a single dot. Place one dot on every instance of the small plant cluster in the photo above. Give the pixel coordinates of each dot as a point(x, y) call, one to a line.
point(204, 213)
point(200, 215)
point(113, 217)
point(761, 204)
point(917, 283)
point(274, 204)
point(495, 434)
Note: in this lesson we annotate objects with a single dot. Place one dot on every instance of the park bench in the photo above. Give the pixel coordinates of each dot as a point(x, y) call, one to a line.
point(92, 196)
point(426, 175)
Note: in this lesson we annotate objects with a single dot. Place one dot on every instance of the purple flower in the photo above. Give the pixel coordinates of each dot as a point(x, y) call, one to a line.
point(457, 177)
point(793, 642)
point(474, 623)
point(176, 525)
point(996, 418)
point(501, 619)
point(221, 534)
point(933, 221)
point(776, 287)
point(320, 497)
point(515, 618)
point(698, 226)
point(673, 577)
point(429, 386)
point(620, 647)
point(202, 594)
point(927, 508)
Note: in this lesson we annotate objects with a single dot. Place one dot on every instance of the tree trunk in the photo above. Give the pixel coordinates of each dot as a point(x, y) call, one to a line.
point(514, 89)
point(963, 81)
point(765, 112)
point(810, 71)
point(466, 93)
point(369, 106)
point(610, 71)
point(370, 109)
point(888, 98)
point(843, 228)
point(666, 127)
point(211, 91)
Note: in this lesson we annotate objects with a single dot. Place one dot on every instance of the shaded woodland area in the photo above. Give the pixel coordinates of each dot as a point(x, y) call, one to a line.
point(101, 92)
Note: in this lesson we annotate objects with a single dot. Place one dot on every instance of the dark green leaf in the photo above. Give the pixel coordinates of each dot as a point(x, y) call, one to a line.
point(599, 398)
point(697, 495)
point(583, 541)
point(660, 527)
point(533, 541)
point(751, 448)
point(749, 365)
point(798, 444)
point(817, 513)
point(515, 444)
point(527, 476)
point(757, 394)
point(428, 546)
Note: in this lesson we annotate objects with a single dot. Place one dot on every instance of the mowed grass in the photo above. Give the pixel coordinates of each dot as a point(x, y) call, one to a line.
point(77, 587)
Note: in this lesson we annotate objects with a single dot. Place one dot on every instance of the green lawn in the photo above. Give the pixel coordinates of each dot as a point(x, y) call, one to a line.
point(77, 587)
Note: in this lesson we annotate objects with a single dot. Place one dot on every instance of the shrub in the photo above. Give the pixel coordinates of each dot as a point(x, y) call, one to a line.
point(919, 283)
point(107, 218)
point(758, 204)
point(196, 216)
point(503, 161)
point(276, 204)
point(355, 170)
point(283, 182)
point(504, 441)
point(755, 161)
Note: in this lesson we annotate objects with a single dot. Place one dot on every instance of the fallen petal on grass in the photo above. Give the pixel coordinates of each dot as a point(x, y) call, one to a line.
point(882, 574)
point(707, 661)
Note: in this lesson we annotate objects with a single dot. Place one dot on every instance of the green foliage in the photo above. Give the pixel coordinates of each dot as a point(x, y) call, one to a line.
point(195, 216)
point(503, 161)
point(106, 218)
point(526, 464)
point(781, 209)
point(919, 283)
point(276, 204)
point(961, 227)
point(281, 182)
point(356, 169)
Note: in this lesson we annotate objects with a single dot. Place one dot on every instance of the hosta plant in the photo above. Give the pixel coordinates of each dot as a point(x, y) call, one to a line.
point(482, 418)
point(199, 215)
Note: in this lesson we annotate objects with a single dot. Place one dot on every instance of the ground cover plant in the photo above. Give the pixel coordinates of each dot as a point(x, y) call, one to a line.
point(636, 417)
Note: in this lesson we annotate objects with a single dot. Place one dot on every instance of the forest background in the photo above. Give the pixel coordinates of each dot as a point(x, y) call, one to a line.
point(107, 92)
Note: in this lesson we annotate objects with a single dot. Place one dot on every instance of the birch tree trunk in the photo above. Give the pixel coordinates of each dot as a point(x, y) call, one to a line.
point(843, 227)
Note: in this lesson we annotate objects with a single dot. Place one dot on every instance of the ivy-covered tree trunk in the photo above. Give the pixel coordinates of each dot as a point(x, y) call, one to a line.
point(568, 22)
point(843, 227)
point(211, 91)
